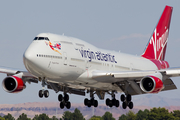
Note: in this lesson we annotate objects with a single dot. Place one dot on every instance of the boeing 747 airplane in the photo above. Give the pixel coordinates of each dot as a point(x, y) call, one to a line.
point(74, 66)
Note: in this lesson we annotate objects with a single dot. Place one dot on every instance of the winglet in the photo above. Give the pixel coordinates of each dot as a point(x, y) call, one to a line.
point(156, 47)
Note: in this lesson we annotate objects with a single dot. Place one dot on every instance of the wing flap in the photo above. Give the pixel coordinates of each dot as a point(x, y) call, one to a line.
point(136, 87)
point(169, 85)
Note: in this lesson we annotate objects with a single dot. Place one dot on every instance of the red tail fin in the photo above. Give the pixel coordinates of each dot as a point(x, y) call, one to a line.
point(156, 47)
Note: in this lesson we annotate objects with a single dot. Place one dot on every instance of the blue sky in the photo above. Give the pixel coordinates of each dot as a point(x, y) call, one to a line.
point(123, 26)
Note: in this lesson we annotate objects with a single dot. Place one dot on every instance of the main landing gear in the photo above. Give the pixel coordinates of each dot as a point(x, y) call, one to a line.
point(92, 101)
point(64, 101)
point(126, 101)
point(43, 92)
point(112, 102)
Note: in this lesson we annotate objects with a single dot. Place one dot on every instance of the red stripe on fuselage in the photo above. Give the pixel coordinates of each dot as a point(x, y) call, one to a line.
point(160, 64)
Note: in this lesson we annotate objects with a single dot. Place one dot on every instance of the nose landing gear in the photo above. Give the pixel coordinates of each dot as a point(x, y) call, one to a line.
point(43, 92)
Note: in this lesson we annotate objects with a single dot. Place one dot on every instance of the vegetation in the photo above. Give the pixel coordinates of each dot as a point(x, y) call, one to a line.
point(106, 116)
point(9, 117)
point(152, 114)
point(23, 117)
point(77, 115)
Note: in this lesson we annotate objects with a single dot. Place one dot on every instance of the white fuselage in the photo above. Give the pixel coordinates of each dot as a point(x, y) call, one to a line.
point(74, 62)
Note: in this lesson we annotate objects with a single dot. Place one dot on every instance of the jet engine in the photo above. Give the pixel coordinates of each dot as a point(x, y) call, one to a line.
point(13, 84)
point(151, 84)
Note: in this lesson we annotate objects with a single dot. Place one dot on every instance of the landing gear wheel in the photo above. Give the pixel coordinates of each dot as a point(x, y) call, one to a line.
point(124, 105)
point(46, 93)
point(95, 103)
point(117, 103)
point(114, 102)
point(123, 97)
point(128, 98)
point(66, 97)
point(60, 97)
point(61, 105)
point(130, 105)
point(92, 101)
point(40, 93)
point(89, 103)
point(110, 103)
point(68, 105)
point(107, 101)
point(85, 101)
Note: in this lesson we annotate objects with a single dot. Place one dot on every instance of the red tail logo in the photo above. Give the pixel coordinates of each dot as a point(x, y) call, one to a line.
point(156, 47)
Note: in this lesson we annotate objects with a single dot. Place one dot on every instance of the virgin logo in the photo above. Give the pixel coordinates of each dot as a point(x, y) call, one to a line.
point(159, 44)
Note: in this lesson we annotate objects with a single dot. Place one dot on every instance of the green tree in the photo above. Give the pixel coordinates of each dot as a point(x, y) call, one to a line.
point(141, 115)
point(123, 117)
point(9, 117)
point(131, 116)
point(77, 115)
point(108, 116)
point(35, 117)
point(54, 118)
point(67, 115)
point(1, 118)
point(96, 118)
point(159, 114)
point(41, 117)
point(176, 113)
point(23, 117)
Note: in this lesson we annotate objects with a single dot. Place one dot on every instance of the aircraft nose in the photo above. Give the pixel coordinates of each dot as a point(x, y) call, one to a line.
point(29, 57)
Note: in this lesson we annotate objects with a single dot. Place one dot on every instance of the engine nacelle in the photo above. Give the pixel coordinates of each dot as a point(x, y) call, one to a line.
point(151, 84)
point(13, 84)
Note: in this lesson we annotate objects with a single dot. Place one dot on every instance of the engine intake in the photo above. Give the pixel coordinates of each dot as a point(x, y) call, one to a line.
point(151, 84)
point(13, 84)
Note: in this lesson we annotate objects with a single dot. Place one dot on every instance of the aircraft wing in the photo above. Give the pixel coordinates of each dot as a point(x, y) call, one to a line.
point(111, 77)
point(171, 72)
point(25, 75)
point(133, 79)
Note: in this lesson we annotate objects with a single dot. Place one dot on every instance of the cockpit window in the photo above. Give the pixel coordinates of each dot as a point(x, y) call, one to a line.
point(35, 38)
point(46, 38)
point(41, 38)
